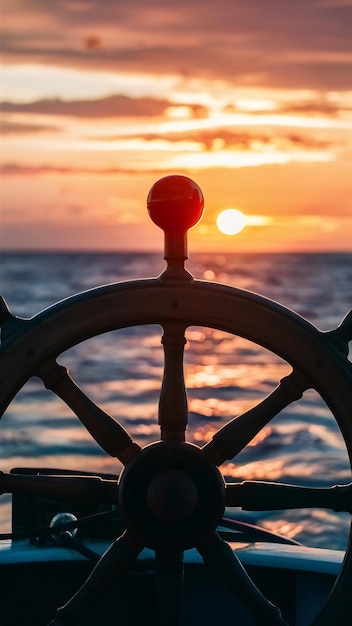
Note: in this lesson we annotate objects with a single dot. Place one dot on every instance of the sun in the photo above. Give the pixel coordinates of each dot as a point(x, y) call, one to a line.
point(231, 221)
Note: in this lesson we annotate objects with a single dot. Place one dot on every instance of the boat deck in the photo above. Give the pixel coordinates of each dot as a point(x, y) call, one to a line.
point(35, 580)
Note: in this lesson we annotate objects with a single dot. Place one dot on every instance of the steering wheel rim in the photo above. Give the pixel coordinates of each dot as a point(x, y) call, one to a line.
point(168, 302)
point(155, 301)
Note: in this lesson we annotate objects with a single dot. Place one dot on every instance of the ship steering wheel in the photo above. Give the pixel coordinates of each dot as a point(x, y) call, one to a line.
point(171, 493)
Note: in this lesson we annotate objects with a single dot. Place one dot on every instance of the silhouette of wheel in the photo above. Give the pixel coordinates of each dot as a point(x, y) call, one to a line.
point(171, 493)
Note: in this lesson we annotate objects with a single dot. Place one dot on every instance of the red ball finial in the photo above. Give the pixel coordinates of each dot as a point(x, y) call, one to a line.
point(175, 203)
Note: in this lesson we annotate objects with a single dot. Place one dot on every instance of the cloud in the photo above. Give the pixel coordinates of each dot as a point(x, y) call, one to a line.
point(113, 106)
point(15, 169)
point(16, 128)
point(276, 43)
point(118, 105)
point(19, 169)
point(315, 107)
point(223, 138)
point(312, 106)
point(92, 42)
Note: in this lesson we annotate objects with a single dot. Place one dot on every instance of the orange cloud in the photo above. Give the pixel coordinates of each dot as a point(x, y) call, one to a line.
point(93, 42)
point(278, 43)
point(253, 100)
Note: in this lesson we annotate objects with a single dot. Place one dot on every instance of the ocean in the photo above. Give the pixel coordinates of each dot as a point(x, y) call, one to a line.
point(225, 375)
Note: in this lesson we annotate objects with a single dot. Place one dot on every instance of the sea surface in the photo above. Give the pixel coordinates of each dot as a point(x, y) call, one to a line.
point(225, 375)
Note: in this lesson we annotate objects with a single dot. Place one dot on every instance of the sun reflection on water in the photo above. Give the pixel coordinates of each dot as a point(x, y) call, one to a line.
point(256, 470)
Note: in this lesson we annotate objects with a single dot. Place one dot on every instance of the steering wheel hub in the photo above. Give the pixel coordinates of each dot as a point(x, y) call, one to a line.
point(171, 495)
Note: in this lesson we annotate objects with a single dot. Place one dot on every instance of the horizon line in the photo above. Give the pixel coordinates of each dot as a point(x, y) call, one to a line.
point(159, 251)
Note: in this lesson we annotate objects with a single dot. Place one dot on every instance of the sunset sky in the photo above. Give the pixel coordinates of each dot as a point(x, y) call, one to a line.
point(250, 98)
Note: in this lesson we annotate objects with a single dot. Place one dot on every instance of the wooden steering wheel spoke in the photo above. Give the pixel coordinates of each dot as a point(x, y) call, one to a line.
point(169, 586)
point(225, 566)
point(236, 434)
point(108, 433)
point(173, 407)
point(72, 488)
point(266, 496)
point(113, 566)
